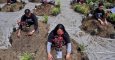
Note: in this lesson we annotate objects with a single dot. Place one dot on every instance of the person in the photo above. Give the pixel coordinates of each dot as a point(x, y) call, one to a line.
point(27, 20)
point(99, 14)
point(78, 1)
point(48, 1)
point(11, 1)
point(56, 39)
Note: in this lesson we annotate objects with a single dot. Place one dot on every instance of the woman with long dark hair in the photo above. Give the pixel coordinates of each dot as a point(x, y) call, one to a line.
point(56, 39)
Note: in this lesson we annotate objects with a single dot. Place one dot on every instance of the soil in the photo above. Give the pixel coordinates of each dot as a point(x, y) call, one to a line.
point(13, 7)
point(3, 1)
point(94, 27)
point(36, 45)
point(43, 9)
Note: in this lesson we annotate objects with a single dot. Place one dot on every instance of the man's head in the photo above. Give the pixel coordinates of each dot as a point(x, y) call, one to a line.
point(101, 6)
point(27, 12)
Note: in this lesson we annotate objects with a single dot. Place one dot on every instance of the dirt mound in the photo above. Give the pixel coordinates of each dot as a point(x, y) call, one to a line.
point(93, 27)
point(36, 45)
point(13, 7)
point(3, 1)
point(43, 9)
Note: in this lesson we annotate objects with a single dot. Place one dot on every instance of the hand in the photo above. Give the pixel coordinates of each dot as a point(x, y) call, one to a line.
point(68, 56)
point(31, 33)
point(50, 57)
point(106, 22)
point(101, 21)
point(18, 35)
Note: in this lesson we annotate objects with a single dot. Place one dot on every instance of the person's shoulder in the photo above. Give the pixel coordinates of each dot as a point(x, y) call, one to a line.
point(52, 32)
point(23, 16)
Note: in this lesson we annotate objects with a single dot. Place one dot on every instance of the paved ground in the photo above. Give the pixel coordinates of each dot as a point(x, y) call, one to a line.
point(97, 48)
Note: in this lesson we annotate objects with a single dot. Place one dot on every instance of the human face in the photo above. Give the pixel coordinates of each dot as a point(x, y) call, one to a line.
point(101, 7)
point(60, 32)
point(28, 15)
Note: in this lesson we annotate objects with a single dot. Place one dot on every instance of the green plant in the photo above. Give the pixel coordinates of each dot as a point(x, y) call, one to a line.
point(55, 11)
point(82, 47)
point(58, 3)
point(26, 56)
point(84, 9)
point(45, 18)
point(112, 17)
point(88, 1)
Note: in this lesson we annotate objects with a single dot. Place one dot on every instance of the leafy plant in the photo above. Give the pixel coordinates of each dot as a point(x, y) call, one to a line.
point(88, 1)
point(26, 56)
point(58, 3)
point(112, 17)
point(84, 9)
point(82, 47)
point(45, 18)
point(55, 11)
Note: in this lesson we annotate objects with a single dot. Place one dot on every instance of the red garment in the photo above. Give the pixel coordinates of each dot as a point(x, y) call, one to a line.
point(58, 42)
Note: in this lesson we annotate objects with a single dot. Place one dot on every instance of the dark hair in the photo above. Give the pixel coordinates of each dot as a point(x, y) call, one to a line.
point(27, 11)
point(100, 4)
point(59, 26)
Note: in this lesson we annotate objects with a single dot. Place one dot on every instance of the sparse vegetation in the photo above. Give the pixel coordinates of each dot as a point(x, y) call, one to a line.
point(81, 47)
point(58, 3)
point(81, 8)
point(26, 56)
point(45, 18)
point(112, 17)
point(55, 11)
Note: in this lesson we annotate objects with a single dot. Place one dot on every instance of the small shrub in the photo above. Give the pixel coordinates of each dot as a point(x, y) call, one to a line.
point(108, 5)
point(84, 9)
point(88, 1)
point(26, 56)
point(112, 17)
point(58, 3)
point(45, 18)
point(82, 47)
point(55, 11)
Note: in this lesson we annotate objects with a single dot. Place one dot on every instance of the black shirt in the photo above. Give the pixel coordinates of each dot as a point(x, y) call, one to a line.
point(30, 20)
point(99, 14)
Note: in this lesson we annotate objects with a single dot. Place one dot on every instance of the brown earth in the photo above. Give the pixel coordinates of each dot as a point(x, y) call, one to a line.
point(3, 1)
point(36, 45)
point(43, 9)
point(94, 27)
point(13, 7)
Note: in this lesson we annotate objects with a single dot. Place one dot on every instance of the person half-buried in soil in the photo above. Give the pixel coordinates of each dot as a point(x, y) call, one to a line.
point(57, 39)
point(27, 20)
point(99, 14)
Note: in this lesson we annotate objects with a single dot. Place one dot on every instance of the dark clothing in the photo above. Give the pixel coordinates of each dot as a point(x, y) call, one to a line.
point(99, 14)
point(77, 1)
point(53, 42)
point(32, 20)
point(13, 1)
point(66, 37)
